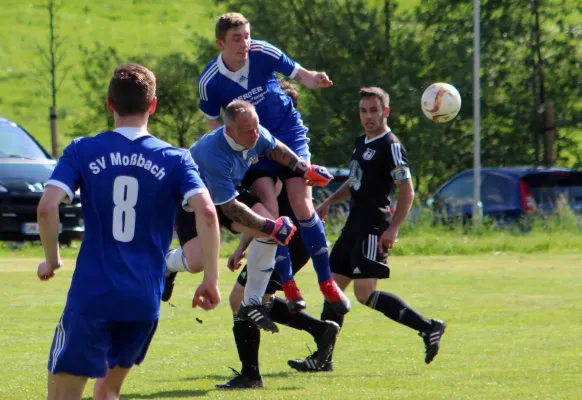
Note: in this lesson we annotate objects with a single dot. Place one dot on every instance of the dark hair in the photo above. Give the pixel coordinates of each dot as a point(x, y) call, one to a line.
point(235, 108)
point(290, 90)
point(131, 89)
point(376, 92)
point(228, 21)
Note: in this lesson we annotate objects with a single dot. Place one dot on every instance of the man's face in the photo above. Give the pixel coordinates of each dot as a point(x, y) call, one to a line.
point(372, 114)
point(236, 44)
point(245, 129)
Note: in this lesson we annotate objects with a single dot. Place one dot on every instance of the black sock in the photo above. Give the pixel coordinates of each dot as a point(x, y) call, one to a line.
point(328, 314)
point(247, 337)
point(302, 321)
point(396, 309)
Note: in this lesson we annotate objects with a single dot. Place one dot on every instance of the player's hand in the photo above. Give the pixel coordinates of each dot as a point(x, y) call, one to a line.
point(284, 230)
point(321, 80)
point(318, 176)
point(46, 271)
point(387, 239)
point(235, 260)
point(322, 210)
point(207, 295)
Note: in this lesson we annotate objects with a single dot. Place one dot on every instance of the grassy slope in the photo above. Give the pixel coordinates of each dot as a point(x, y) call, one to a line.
point(515, 331)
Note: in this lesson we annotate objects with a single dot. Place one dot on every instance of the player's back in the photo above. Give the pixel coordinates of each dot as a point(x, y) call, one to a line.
point(129, 195)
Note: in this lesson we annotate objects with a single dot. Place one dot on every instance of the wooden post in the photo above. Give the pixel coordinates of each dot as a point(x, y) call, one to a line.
point(54, 139)
point(550, 134)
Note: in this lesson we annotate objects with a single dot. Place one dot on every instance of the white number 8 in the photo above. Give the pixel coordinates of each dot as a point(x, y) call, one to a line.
point(125, 198)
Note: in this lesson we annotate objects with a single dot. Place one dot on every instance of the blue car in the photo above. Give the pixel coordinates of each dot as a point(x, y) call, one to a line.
point(509, 193)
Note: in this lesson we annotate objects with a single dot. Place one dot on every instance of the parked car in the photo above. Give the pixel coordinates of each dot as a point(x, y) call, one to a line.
point(321, 193)
point(510, 193)
point(25, 167)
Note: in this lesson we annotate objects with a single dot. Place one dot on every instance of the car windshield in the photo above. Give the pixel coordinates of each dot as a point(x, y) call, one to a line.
point(15, 143)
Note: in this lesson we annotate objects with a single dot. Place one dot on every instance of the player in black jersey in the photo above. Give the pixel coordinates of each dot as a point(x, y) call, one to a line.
point(378, 165)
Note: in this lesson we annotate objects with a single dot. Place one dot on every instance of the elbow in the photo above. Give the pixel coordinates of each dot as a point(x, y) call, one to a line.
point(208, 214)
point(45, 209)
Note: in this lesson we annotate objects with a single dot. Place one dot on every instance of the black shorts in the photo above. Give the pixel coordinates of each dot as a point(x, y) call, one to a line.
point(356, 255)
point(186, 221)
point(254, 174)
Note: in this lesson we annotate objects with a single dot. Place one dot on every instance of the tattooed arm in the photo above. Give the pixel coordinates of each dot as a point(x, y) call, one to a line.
point(285, 156)
point(242, 214)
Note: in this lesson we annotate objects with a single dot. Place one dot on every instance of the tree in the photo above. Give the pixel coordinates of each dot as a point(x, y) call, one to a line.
point(51, 63)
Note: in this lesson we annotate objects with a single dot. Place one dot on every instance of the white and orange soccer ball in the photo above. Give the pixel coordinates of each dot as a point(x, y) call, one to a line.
point(440, 102)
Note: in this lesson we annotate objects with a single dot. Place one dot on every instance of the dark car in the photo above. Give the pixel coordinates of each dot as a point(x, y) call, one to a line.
point(25, 167)
point(509, 193)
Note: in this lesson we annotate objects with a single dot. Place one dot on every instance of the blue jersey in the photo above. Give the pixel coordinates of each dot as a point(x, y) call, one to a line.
point(131, 184)
point(223, 163)
point(256, 83)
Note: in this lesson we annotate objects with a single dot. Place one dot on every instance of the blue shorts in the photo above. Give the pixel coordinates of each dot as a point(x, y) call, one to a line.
point(86, 346)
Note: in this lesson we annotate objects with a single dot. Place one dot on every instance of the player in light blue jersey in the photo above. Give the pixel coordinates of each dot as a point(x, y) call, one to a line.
point(131, 184)
point(224, 156)
point(247, 69)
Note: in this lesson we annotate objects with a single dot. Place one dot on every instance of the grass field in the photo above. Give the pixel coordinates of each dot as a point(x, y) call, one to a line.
point(515, 332)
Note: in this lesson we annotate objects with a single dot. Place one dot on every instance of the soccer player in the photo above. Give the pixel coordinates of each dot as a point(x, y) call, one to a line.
point(246, 69)
point(224, 156)
point(247, 335)
point(360, 253)
point(131, 184)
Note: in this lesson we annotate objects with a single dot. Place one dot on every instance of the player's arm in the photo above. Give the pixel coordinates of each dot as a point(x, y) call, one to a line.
point(234, 261)
point(208, 232)
point(312, 79)
point(405, 199)
point(343, 193)
point(315, 175)
point(48, 221)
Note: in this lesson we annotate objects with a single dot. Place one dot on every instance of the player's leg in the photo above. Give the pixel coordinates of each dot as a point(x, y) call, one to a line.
point(262, 180)
point(342, 273)
point(77, 353)
point(313, 234)
point(371, 265)
point(129, 346)
point(65, 387)
point(247, 337)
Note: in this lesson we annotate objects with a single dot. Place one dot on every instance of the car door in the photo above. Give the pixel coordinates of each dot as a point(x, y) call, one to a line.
point(455, 198)
point(497, 196)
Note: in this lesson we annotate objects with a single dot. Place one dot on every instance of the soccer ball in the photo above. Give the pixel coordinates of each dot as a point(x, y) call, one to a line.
point(440, 102)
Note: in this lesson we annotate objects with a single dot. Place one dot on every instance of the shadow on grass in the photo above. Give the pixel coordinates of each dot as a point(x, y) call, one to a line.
point(225, 377)
point(185, 394)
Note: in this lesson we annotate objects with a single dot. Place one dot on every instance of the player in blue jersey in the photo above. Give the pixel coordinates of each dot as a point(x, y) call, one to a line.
point(247, 69)
point(224, 156)
point(131, 184)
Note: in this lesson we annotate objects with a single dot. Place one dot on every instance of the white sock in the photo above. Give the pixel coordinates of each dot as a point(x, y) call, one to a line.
point(176, 261)
point(260, 266)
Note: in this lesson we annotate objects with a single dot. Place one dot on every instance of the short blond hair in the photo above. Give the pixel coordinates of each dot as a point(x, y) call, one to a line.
point(236, 108)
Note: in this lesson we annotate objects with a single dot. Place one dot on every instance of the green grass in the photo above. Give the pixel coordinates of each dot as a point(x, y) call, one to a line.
point(515, 330)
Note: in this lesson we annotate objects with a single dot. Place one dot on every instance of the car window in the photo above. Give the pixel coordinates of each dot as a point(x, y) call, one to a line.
point(460, 189)
point(15, 142)
point(495, 190)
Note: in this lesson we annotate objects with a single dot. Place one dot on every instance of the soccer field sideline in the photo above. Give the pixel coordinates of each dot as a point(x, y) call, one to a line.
point(515, 329)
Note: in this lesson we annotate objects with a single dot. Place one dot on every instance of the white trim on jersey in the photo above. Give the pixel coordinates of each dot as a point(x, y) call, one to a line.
point(240, 76)
point(266, 48)
point(131, 132)
point(60, 336)
point(204, 79)
point(366, 140)
point(65, 188)
point(210, 116)
point(397, 154)
point(224, 202)
point(189, 194)
point(295, 70)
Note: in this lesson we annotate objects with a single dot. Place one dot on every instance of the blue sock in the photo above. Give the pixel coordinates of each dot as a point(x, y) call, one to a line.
point(313, 235)
point(283, 264)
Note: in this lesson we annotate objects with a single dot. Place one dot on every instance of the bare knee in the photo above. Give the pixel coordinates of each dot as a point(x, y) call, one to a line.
point(105, 391)
point(193, 254)
point(363, 289)
point(236, 297)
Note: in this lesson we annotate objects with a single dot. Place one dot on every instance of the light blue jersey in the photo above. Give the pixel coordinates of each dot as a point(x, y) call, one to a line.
point(223, 163)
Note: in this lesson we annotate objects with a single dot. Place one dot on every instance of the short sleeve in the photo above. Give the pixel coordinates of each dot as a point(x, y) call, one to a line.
point(189, 181)
point(274, 59)
point(67, 173)
point(218, 178)
point(398, 163)
point(209, 99)
point(266, 142)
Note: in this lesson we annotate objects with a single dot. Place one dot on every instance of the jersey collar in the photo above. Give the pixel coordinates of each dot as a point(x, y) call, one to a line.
point(380, 136)
point(241, 76)
point(131, 133)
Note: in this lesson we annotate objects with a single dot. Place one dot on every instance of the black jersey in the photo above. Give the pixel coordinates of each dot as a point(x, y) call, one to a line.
point(377, 166)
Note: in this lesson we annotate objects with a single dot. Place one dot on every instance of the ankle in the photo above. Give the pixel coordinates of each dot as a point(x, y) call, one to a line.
point(291, 290)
